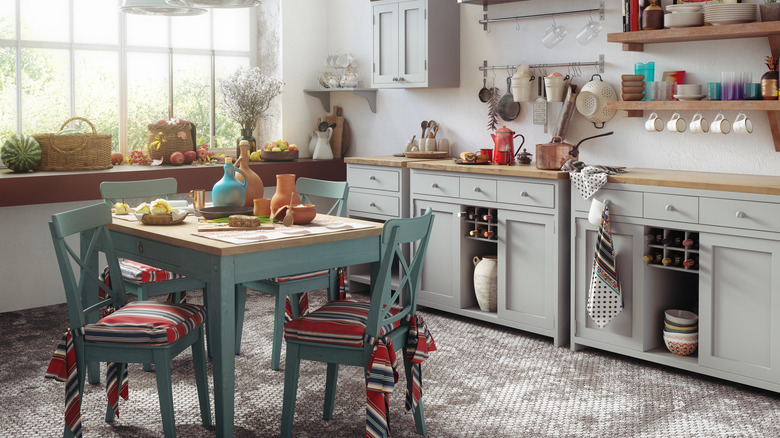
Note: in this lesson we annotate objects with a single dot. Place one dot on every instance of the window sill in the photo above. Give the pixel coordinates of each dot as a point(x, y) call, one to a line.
point(52, 187)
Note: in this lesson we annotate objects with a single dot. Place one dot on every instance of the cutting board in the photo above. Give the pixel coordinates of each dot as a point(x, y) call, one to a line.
point(338, 132)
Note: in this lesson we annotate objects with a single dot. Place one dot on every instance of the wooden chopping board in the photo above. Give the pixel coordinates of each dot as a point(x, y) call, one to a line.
point(338, 132)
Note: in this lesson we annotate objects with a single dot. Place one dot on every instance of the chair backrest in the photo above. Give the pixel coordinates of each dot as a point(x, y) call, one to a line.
point(395, 234)
point(81, 282)
point(115, 191)
point(336, 191)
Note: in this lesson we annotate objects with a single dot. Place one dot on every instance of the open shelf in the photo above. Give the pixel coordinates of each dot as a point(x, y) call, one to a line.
point(635, 41)
point(323, 94)
point(637, 107)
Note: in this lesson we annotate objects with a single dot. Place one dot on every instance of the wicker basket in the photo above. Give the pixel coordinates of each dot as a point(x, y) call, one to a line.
point(179, 137)
point(88, 151)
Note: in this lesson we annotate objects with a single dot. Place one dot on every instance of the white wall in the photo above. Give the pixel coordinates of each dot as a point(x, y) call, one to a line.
point(318, 27)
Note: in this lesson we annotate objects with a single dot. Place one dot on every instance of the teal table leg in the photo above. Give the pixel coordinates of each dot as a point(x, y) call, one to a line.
point(221, 317)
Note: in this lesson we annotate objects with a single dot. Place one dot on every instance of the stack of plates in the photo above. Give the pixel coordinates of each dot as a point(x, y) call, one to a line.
point(719, 13)
point(684, 15)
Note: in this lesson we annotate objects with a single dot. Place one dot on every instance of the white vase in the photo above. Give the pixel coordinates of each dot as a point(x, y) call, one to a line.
point(322, 150)
point(486, 282)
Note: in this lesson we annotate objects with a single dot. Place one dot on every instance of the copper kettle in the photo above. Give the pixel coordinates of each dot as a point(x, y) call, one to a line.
point(553, 155)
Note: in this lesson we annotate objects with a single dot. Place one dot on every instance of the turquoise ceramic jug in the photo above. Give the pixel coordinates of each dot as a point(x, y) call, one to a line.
point(229, 191)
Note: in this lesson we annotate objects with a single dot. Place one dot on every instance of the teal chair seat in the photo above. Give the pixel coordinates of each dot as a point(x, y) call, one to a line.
point(139, 332)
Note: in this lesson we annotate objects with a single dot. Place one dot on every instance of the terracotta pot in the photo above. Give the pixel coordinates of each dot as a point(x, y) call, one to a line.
point(285, 186)
point(304, 213)
point(254, 184)
point(770, 11)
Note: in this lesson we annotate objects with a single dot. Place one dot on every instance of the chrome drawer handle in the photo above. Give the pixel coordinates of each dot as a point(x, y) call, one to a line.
point(524, 194)
point(740, 214)
point(669, 208)
point(372, 178)
point(477, 189)
point(372, 204)
point(434, 186)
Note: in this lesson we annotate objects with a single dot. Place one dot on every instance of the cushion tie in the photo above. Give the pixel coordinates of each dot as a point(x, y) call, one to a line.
point(382, 375)
point(113, 387)
point(62, 368)
point(419, 343)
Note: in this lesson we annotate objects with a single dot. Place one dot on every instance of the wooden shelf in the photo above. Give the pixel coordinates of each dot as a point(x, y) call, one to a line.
point(323, 94)
point(636, 108)
point(635, 41)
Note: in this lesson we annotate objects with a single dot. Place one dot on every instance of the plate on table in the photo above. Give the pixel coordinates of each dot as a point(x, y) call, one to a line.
point(459, 161)
point(689, 97)
point(224, 211)
point(427, 154)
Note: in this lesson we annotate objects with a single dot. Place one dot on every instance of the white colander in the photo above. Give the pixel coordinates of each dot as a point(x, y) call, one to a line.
point(592, 101)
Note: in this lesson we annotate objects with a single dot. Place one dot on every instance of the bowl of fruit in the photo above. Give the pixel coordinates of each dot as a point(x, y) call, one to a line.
point(279, 150)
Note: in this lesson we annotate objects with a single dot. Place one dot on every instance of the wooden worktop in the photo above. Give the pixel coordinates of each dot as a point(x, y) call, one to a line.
point(726, 182)
point(384, 160)
point(488, 169)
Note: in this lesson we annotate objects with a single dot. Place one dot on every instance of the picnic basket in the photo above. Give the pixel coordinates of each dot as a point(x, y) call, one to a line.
point(176, 137)
point(85, 151)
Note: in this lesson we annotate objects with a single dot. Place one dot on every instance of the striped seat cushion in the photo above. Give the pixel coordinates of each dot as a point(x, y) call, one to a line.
point(301, 276)
point(144, 273)
point(146, 322)
point(337, 322)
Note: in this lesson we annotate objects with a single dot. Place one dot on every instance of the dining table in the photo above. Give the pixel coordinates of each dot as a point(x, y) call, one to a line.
point(224, 259)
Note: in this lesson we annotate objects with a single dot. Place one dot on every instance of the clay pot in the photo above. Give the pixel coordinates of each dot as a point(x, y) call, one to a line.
point(254, 184)
point(285, 186)
point(304, 213)
point(486, 282)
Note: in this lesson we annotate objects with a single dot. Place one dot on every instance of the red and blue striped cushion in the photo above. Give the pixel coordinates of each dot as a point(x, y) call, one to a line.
point(146, 322)
point(144, 273)
point(301, 276)
point(337, 322)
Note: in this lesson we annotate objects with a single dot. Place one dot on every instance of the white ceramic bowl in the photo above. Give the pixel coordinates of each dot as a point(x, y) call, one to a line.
point(683, 317)
point(678, 346)
point(684, 19)
point(689, 89)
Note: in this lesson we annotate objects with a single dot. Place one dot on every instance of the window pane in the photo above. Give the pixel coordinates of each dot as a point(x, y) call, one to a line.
point(192, 92)
point(7, 19)
point(147, 30)
point(147, 95)
point(45, 90)
point(96, 21)
point(7, 91)
point(45, 20)
point(191, 32)
point(226, 131)
point(238, 21)
point(97, 96)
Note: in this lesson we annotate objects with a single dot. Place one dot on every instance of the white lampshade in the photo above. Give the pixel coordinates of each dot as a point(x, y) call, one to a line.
point(215, 3)
point(158, 7)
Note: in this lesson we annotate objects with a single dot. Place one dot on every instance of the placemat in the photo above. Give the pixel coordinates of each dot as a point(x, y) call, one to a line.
point(317, 226)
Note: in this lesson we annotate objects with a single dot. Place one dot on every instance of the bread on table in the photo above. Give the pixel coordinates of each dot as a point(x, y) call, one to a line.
point(243, 221)
point(468, 157)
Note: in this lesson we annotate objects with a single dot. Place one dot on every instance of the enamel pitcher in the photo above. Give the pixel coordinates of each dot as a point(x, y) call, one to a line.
point(504, 148)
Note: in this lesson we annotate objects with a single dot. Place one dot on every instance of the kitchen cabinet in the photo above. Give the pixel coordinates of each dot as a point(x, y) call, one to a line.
point(732, 285)
point(525, 212)
point(636, 41)
point(416, 44)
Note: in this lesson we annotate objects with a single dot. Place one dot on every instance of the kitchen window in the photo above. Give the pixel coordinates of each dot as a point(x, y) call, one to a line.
point(60, 59)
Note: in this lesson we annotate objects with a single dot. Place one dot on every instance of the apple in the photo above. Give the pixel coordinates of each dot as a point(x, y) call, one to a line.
point(255, 156)
point(277, 149)
point(177, 158)
point(269, 145)
point(190, 156)
point(203, 153)
point(117, 158)
point(292, 147)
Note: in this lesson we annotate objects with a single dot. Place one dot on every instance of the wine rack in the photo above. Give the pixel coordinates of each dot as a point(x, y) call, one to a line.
point(672, 249)
point(482, 223)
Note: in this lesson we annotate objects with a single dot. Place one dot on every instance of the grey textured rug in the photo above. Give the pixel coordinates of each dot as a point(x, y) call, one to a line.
point(484, 381)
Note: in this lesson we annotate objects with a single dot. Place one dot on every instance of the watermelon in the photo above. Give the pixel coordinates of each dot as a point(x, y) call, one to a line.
point(21, 153)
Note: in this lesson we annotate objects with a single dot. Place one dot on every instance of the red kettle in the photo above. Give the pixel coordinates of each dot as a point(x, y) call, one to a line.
point(504, 148)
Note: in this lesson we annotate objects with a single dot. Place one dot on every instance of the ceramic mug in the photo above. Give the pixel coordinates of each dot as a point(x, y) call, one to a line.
point(654, 123)
point(676, 124)
point(589, 32)
point(743, 125)
point(699, 124)
point(430, 144)
point(444, 146)
point(720, 125)
point(553, 36)
point(596, 210)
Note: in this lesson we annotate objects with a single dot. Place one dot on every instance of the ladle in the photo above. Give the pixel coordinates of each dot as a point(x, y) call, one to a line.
point(288, 218)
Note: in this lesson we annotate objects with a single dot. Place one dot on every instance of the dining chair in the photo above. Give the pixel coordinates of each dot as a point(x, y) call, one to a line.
point(136, 332)
point(291, 291)
point(367, 334)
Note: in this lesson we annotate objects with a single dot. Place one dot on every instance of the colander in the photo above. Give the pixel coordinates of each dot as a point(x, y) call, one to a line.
point(592, 101)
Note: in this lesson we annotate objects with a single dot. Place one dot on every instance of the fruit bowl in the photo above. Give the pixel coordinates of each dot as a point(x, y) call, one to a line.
point(278, 155)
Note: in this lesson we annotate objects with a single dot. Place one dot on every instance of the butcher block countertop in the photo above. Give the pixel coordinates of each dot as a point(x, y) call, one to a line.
point(385, 160)
point(447, 165)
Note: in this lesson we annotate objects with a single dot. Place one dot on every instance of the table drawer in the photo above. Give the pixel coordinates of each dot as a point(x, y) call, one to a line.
point(524, 193)
point(372, 178)
point(760, 216)
point(439, 185)
point(372, 203)
point(478, 189)
point(621, 202)
point(672, 207)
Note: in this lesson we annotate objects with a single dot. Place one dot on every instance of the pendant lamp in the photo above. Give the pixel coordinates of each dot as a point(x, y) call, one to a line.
point(215, 3)
point(158, 7)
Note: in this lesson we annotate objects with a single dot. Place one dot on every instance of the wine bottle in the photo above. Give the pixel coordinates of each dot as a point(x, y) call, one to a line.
point(487, 218)
point(666, 261)
point(689, 263)
point(687, 243)
point(488, 234)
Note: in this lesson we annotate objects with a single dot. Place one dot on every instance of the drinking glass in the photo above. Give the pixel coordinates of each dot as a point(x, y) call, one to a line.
point(553, 36)
point(728, 88)
point(589, 32)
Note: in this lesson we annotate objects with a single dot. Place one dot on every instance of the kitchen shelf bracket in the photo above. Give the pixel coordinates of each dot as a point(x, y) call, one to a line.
point(324, 95)
point(598, 64)
point(485, 20)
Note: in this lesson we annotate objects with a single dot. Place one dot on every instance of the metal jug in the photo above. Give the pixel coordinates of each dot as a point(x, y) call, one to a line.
point(504, 148)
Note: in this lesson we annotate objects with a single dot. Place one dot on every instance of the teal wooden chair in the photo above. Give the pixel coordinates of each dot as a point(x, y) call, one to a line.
point(138, 332)
point(367, 334)
point(288, 290)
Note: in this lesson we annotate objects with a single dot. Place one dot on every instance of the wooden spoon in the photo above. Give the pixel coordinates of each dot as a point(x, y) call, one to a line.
point(424, 126)
point(288, 218)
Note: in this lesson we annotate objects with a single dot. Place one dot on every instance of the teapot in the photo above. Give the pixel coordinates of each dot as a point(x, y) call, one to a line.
point(504, 148)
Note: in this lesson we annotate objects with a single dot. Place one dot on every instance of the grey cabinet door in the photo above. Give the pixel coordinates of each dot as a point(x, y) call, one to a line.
point(527, 255)
point(625, 330)
point(739, 299)
point(441, 280)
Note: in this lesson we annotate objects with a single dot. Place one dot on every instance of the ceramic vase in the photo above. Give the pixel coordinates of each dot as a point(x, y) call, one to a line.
point(770, 11)
point(769, 83)
point(486, 282)
point(246, 134)
point(285, 187)
point(254, 184)
point(322, 150)
point(228, 191)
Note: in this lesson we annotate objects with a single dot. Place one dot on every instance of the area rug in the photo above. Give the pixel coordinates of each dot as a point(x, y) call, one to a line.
point(484, 381)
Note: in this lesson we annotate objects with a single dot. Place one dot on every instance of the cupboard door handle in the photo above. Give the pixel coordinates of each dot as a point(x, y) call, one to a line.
point(372, 204)
point(477, 189)
point(140, 248)
point(434, 186)
point(740, 214)
point(395, 79)
point(372, 178)
point(524, 194)
point(669, 207)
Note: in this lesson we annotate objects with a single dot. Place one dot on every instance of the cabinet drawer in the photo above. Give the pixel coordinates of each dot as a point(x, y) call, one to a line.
point(439, 185)
point(377, 179)
point(740, 214)
point(523, 193)
point(478, 189)
point(372, 203)
point(621, 202)
point(672, 207)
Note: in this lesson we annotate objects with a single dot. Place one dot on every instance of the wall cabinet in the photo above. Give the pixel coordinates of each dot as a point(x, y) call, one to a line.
point(416, 43)
point(530, 240)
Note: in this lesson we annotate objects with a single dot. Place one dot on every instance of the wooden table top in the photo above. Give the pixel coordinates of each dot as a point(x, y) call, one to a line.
point(727, 182)
point(383, 160)
point(488, 169)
